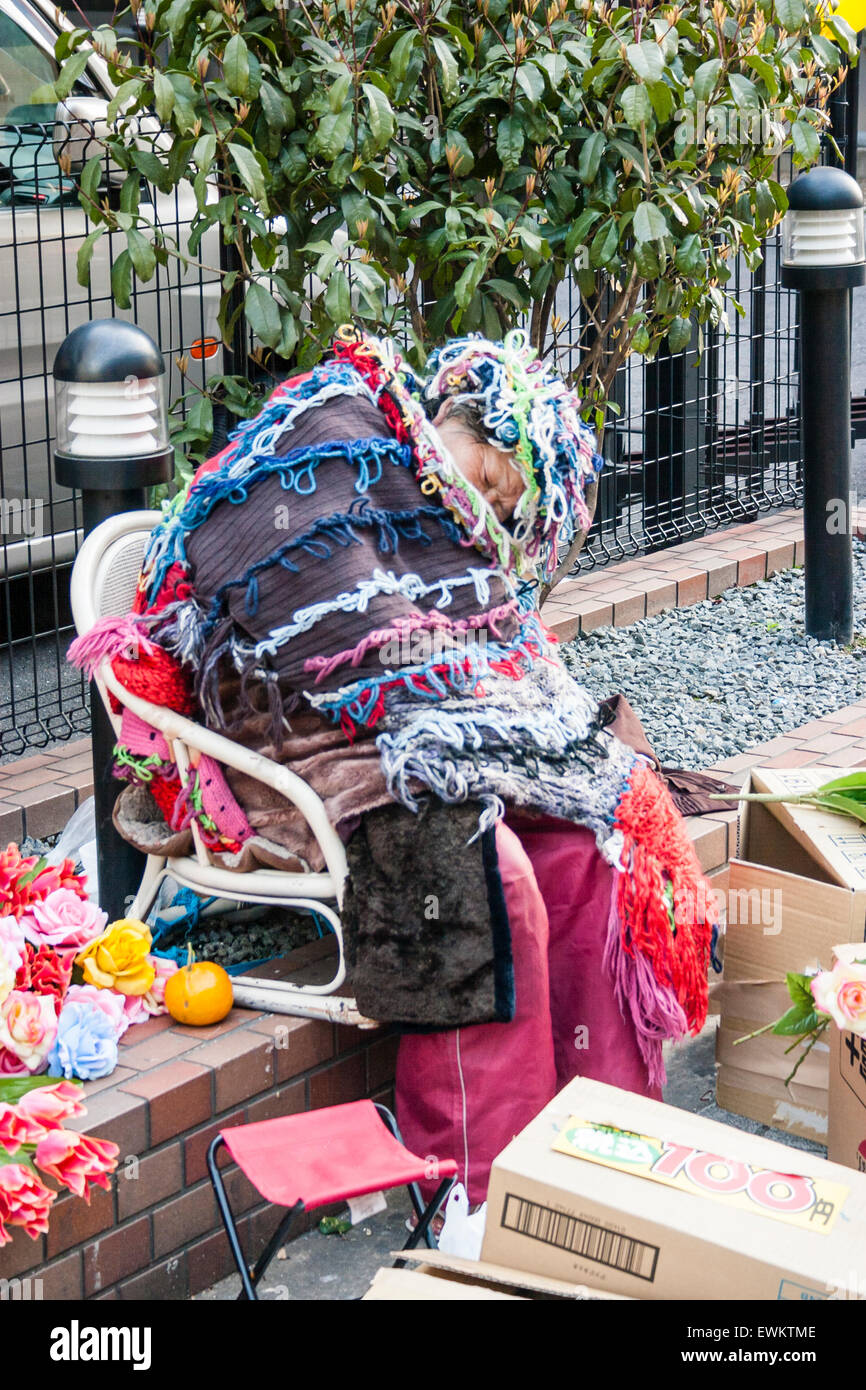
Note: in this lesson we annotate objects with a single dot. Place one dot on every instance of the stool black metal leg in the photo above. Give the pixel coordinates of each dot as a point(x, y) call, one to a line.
point(275, 1242)
point(422, 1231)
point(412, 1188)
point(228, 1218)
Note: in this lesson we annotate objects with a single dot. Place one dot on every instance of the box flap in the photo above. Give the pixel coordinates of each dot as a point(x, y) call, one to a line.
point(504, 1274)
point(427, 1286)
point(836, 843)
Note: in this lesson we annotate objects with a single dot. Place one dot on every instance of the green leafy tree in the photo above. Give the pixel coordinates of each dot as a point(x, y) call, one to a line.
point(431, 167)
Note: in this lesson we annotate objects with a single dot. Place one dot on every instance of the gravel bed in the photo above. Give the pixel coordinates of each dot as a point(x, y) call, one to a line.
point(715, 679)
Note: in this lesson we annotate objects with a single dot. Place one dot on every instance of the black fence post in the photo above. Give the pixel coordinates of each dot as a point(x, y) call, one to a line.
point(107, 378)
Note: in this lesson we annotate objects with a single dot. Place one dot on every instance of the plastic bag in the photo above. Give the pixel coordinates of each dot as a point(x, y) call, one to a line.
point(78, 843)
point(462, 1233)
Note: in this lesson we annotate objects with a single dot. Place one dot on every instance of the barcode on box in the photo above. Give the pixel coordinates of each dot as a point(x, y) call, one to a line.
point(582, 1238)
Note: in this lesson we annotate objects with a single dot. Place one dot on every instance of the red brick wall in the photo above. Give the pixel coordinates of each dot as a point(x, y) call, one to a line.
point(156, 1234)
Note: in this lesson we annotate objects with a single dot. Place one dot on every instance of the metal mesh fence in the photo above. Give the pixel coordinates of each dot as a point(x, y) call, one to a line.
point(704, 438)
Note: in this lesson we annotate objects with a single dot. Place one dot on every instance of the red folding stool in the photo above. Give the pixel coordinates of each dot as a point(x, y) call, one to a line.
point(322, 1156)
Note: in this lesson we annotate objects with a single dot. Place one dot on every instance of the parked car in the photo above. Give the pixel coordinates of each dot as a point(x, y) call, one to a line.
point(42, 226)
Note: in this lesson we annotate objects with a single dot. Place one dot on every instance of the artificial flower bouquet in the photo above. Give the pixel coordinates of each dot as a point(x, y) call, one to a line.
point(824, 997)
point(70, 984)
point(33, 1111)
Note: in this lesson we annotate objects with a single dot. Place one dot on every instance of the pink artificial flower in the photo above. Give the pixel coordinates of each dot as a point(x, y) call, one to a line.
point(107, 1000)
point(17, 1129)
point(28, 1027)
point(51, 1105)
point(63, 919)
point(841, 993)
point(24, 1201)
point(135, 1008)
point(11, 940)
point(10, 1065)
point(16, 897)
point(76, 1160)
point(155, 998)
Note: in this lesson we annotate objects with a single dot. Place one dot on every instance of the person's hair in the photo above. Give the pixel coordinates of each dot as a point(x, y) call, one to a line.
point(471, 417)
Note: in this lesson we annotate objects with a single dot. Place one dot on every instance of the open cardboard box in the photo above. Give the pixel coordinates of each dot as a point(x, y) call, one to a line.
point(796, 889)
point(620, 1193)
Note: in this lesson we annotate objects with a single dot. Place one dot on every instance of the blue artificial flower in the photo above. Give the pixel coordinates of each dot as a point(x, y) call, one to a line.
point(86, 1043)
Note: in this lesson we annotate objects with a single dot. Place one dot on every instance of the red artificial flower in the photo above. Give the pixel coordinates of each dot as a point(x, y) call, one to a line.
point(16, 896)
point(46, 970)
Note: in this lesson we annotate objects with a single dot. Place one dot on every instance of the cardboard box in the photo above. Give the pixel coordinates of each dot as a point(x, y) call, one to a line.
point(846, 1139)
point(439, 1276)
point(796, 890)
point(617, 1192)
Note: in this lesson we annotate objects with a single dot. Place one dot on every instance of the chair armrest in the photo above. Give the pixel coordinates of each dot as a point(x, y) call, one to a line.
point(265, 770)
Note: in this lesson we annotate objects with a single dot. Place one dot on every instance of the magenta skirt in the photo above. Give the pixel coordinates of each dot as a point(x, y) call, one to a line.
point(464, 1094)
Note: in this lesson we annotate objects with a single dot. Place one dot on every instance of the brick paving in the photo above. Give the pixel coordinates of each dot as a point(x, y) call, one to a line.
point(155, 1234)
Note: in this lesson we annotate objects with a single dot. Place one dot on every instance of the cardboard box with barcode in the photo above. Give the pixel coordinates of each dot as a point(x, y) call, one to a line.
point(614, 1191)
point(797, 889)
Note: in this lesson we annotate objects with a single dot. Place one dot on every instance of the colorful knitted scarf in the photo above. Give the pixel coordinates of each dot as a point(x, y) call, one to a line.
point(500, 721)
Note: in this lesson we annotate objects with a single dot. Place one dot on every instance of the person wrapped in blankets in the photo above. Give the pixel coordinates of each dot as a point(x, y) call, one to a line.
point(350, 587)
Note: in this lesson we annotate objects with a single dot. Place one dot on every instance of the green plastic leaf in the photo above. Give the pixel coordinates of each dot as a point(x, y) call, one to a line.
point(800, 989)
point(509, 141)
point(845, 805)
point(591, 152)
point(636, 106)
point(263, 315)
point(798, 1020)
point(649, 223)
point(236, 66)
point(852, 784)
point(12, 1088)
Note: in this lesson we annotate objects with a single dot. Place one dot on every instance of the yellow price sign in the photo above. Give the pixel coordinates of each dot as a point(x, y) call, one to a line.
point(811, 1203)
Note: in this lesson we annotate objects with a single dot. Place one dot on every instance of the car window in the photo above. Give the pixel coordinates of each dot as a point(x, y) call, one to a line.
point(24, 66)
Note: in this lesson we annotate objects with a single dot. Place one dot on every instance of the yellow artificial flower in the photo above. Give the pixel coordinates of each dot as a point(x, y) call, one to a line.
point(118, 959)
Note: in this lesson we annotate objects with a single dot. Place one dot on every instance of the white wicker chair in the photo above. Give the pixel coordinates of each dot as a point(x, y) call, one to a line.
point(103, 584)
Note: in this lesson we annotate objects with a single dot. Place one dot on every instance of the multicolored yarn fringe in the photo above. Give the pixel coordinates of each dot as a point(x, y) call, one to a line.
point(500, 722)
point(527, 412)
